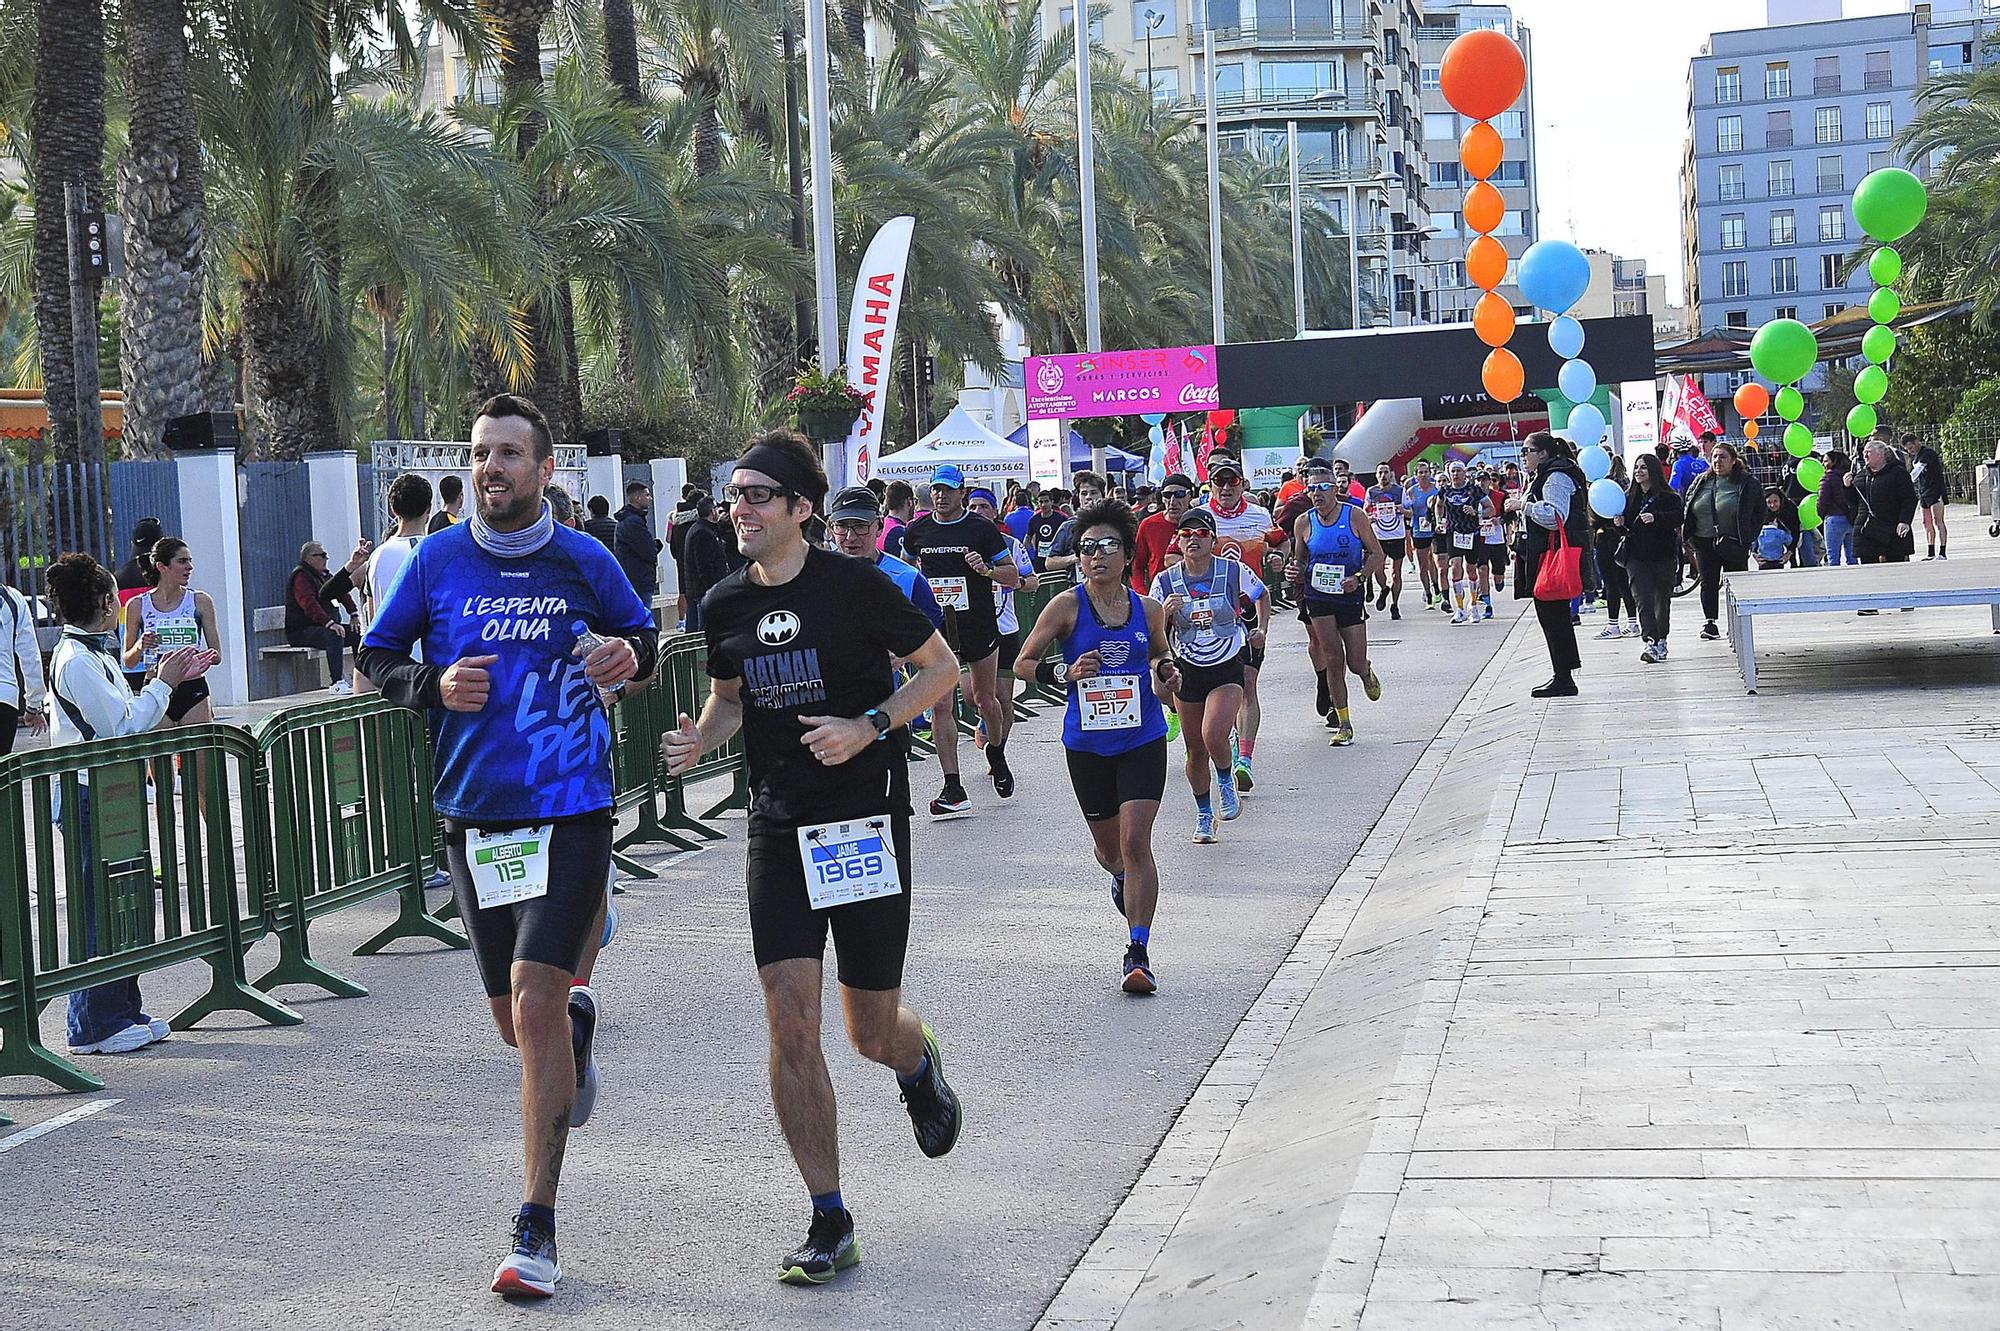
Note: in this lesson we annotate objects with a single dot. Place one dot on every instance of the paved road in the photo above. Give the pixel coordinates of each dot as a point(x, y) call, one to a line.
point(359, 1171)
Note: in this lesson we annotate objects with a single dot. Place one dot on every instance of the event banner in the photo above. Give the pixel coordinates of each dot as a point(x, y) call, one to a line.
point(1640, 411)
point(1045, 452)
point(871, 341)
point(1120, 383)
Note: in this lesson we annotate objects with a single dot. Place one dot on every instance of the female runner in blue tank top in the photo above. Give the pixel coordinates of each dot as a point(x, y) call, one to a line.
point(1117, 668)
point(1339, 556)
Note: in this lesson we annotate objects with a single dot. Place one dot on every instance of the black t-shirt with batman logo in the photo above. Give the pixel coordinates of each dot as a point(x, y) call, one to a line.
point(819, 645)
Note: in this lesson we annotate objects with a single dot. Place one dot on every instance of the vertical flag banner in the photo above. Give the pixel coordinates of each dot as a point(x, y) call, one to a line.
point(871, 342)
point(1482, 75)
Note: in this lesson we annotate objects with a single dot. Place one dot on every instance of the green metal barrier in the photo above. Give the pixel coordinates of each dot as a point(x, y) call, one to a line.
point(166, 882)
point(683, 683)
point(1028, 606)
point(351, 820)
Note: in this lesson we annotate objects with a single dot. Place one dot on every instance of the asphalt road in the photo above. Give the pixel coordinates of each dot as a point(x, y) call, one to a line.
point(359, 1171)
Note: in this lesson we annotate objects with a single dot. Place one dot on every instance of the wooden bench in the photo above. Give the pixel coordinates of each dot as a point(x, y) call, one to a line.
point(271, 619)
point(1800, 591)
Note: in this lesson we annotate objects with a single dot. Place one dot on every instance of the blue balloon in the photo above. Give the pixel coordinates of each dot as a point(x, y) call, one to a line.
point(1596, 463)
point(1586, 425)
point(1153, 417)
point(1156, 434)
point(1607, 500)
point(1566, 338)
point(1576, 380)
point(1554, 275)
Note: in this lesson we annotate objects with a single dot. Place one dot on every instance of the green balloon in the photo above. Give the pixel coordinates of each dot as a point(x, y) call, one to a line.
point(1861, 421)
point(1889, 203)
point(1784, 350)
point(1811, 472)
point(1809, 506)
point(1791, 403)
point(1879, 343)
point(1884, 306)
point(1871, 385)
point(1885, 267)
point(1798, 439)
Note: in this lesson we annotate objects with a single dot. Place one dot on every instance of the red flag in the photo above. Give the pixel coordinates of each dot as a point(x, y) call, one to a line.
point(1171, 459)
point(1210, 436)
point(1698, 410)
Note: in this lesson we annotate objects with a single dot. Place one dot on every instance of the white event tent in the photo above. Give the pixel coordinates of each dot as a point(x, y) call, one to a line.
point(978, 452)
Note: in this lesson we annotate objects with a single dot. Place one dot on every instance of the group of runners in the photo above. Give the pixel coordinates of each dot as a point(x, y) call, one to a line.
point(824, 650)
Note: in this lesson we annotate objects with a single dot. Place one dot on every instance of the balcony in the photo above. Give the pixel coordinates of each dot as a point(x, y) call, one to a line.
point(1878, 78)
point(1296, 102)
point(1832, 184)
point(1437, 34)
point(1826, 83)
point(1279, 30)
point(1778, 138)
point(1732, 194)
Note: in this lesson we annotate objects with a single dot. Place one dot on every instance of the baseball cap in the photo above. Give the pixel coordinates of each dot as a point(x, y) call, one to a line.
point(1317, 464)
point(855, 502)
point(1222, 462)
point(949, 476)
point(1197, 517)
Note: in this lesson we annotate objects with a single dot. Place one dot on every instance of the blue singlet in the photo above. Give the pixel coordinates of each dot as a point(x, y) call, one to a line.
point(1127, 655)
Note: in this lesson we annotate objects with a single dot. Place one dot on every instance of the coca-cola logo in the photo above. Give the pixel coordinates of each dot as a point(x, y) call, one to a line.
point(1049, 378)
point(1196, 395)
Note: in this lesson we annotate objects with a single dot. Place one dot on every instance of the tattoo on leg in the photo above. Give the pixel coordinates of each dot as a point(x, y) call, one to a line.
point(558, 1142)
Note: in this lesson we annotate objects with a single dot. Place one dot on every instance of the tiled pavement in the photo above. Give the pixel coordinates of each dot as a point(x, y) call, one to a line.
point(1661, 1007)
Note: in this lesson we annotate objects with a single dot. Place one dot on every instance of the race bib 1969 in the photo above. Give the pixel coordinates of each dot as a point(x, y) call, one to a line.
point(847, 862)
point(508, 866)
point(1108, 702)
point(951, 593)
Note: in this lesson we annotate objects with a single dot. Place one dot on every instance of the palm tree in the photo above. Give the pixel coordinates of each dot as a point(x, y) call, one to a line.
point(621, 50)
point(66, 136)
point(160, 198)
point(1956, 251)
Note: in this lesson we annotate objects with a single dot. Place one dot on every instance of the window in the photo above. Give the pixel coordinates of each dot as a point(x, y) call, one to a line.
point(1736, 278)
point(1877, 73)
point(1784, 228)
point(1728, 85)
point(1166, 86)
point(1512, 224)
point(1440, 125)
point(1881, 120)
point(1511, 173)
point(1729, 134)
point(1446, 224)
point(1832, 176)
point(1294, 80)
point(1826, 125)
point(1729, 181)
point(1733, 232)
point(1428, 79)
point(1787, 312)
point(1878, 160)
point(1777, 81)
point(1736, 319)
point(1829, 273)
point(1445, 175)
point(1511, 124)
point(1777, 129)
point(1228, 83)
point(1784, 275)
point(1780, 179)
point(1066, 17)
point(1154, 16)
point(1826, 73)
point(1832, 223)
point(1828, 311)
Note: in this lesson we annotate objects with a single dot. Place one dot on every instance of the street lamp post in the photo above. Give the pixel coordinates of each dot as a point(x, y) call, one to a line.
point(822, 197)
point(1086, 170)
point(1353, 257)
point(1214, 189)
point(1154, 18)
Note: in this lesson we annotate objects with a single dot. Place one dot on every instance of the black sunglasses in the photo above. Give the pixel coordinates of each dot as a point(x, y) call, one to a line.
point(1099, 545)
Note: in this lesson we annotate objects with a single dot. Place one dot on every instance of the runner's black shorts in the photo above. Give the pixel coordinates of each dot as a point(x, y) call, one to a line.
point(552, 929)
point(1393, 546)
point(1346, 612)
point(1426, 541)
point(869, 937)
point(1493, 556)
point(188, 695)
point(1198, 681)
point(1010, 649)
point(1106, 784)
point(972, 639)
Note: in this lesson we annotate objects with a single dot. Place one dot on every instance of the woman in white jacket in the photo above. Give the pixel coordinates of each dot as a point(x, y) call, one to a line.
point(20, 669)
point(93, 701)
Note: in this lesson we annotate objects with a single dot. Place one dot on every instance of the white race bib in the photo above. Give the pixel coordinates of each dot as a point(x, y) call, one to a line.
point(1385, 514)
point(1326, 578)
point(1461, 540)
point(508, 866)
point(848, 862)
point(951, 593)
point(1493, 533)
point(1108, 702)
point(1201, 614)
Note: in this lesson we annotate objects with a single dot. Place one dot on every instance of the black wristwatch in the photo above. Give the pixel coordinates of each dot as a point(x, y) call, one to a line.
point(878, 718)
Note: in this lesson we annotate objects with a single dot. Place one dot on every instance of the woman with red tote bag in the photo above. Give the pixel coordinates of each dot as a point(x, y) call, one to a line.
point(1552, 538)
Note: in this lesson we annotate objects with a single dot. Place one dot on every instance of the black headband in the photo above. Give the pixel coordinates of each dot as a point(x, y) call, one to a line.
point(782, 467)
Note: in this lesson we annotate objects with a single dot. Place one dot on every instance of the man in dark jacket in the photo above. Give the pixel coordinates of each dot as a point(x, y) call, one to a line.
point(310, 599)
point(637, 549)
point(600, 523)
point(706, 558)
point(1888, 506)
point(678, 524)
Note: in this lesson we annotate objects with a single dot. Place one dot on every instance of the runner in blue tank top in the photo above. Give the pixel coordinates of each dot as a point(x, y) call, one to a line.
point(1117, 668)
point(1338, 556)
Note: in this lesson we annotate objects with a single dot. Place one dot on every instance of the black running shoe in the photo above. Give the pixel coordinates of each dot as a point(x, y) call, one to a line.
point(952, 799)
point(1003, 775)
point(1138, 971)
point(829, 1249)
point(935, 1112)
point(1395, 612)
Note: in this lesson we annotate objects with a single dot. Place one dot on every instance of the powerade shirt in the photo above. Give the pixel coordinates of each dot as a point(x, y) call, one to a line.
point(541, 747)
point(819, 645)
point(939, 549)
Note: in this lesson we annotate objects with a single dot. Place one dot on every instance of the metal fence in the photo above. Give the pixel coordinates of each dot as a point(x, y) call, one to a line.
point(434, 459)
point(48, 509)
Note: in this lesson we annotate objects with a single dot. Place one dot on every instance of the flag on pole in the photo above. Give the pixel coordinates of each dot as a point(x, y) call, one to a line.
point(1700, 411)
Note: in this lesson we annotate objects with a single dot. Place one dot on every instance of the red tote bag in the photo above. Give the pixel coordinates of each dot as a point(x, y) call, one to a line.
point(1560, 577)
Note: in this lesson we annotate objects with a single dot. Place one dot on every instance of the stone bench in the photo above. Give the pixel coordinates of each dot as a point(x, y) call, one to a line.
point(271, 619)
point(1796, 591)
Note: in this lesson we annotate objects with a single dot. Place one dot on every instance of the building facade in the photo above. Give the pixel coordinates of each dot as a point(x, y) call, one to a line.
point(1443, 129)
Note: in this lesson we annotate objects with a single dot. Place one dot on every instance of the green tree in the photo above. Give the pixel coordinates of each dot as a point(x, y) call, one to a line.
point(66, 138)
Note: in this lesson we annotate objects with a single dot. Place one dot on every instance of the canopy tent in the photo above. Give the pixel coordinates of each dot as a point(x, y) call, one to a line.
point(1116, 460)
point(958, 439)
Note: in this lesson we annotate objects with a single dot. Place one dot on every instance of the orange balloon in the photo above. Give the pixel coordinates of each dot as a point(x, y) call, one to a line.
point(1480, 151)
point(1482, 73)
point(1502, 375)
point(1493, 320)
point(1751, 400)
point(1486, 263)
point(1484, 208)
point(1750, 430)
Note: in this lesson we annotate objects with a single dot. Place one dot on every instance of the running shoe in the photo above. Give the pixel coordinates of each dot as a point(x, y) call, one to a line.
point(1661, 648)
point(1489, 610)
point(1173, 726)
point(1395, 612)
point(583, 1036)
point(1245, 782)
point(530, 1270)
point(136, 1036)
point(1231, 806)
point(1204, 827)
point(829, 1249)
point(1343, 735)
point(1382, 599)
point(1651, 655)
point(1633, 630)
point(935, 1111)
point(1555, 688)
point(341, 689)
point(1003, 775)
point(1458, 616)
point(1611, 631)
point(610, 920)
point(1371, 685)
point(1138, 971)
point(158, 1026)
point(1709, 633)
point(952, 799)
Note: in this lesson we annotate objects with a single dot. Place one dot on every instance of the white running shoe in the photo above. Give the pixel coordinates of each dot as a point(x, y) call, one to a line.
point(159, 1027)
point(1204, 827)
point(135, 1036)
point(1458, 616)
point(341, 688)
point(1611, 631)
point(530, 1271)
point(583, 1002)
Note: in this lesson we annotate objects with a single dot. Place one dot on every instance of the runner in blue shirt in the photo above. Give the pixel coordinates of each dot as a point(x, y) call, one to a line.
point(1420, 501)
point(540, 628)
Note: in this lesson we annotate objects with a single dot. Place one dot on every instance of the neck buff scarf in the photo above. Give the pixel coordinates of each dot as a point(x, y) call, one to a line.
point(514, 544)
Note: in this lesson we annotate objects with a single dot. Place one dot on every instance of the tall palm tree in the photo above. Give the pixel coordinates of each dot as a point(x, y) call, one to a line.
point(160, 198)
point(66, 136)
point(718, 51)
point(1956, 251)
point(621, 50)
